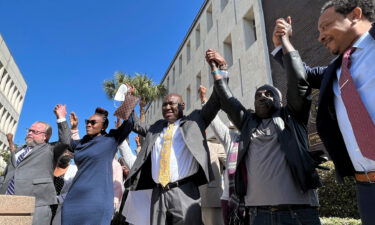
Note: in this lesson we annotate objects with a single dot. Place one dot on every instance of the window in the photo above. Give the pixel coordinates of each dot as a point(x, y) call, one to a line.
point(209, 19)
point(188, 52)
point(198, 36)
point(199, 82)
point(228, 52)
point(174, 75)
point(180, 64)
point(188, 93)
point(249, 28)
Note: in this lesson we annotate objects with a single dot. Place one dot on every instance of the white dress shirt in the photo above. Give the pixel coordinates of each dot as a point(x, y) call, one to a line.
point(182, 163)
point(363, 73)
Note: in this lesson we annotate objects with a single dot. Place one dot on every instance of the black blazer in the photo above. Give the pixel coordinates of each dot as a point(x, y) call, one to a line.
point(193, 129)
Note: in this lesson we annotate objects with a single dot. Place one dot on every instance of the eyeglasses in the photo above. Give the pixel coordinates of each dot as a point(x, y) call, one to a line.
point(36, 132)
point(92, 122)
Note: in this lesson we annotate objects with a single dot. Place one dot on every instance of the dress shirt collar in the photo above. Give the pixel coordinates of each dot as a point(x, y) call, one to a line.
point(363, 41)
point(177, 122)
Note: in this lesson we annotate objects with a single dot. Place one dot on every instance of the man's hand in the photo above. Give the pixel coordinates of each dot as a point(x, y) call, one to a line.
point(60, 111)
point(9, 137)
point(10, 142)
point(213, 58)
point(202, 93)
point(73, 121)
point(283, 29)
point(137, 140)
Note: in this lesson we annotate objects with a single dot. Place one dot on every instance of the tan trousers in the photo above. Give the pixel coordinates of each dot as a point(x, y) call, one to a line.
point(212, 216)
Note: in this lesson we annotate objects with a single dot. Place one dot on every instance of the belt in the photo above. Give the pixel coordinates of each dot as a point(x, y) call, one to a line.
point(175, 184)
point(275, 208)
point(368, 177)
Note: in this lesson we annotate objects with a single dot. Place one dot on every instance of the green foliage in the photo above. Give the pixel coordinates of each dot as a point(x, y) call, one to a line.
point(4, 158)
point(110, 86)
point(5, 154)
point(339, 221)
point(337, 200)
point(145, 88)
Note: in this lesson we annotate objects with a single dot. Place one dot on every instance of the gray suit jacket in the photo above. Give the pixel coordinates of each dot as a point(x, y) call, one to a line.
point(193, 129)
point(34, 175)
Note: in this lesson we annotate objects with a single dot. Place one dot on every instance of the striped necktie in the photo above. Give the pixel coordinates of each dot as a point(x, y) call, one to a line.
point(10, 189)
point(363, 127)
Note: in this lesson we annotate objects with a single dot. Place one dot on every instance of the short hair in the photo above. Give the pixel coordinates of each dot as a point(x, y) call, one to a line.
point(344, 7)
point(104, 113)
point(48, 129)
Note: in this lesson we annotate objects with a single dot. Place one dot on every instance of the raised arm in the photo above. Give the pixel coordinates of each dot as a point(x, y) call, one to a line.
point(218, 127)
point(127, 154)
point(234, 109)
point(12, 147)
point(314, 74)
point(123, 131)
point(210, 109)
point(63, 129)
point(298, 91)
point(73, 119)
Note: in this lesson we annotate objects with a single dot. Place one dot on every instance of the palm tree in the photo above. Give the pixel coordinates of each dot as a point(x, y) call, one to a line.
point(146, 90)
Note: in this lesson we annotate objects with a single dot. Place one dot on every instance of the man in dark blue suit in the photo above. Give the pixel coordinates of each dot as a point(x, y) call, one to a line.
point(346, 113)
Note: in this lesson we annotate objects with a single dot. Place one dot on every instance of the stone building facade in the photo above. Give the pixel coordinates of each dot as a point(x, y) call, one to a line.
point(12, 94)
point(242, 31)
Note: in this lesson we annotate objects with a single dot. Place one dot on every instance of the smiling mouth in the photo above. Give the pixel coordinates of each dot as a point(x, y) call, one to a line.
point(327, 43)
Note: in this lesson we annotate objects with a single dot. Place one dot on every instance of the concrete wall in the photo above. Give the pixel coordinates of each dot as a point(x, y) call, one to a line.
point(232, 25)
point(305, 16)
point(12, 93)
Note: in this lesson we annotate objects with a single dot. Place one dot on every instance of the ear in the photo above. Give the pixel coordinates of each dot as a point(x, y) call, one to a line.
point(355, 15)
point(181, 106)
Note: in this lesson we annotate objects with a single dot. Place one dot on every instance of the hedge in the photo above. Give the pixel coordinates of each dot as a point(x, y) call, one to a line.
point(339, 221)
point(337, 200)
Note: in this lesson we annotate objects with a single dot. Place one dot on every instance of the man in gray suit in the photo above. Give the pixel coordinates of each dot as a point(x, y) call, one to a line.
point(174, 161)
point(30, 168)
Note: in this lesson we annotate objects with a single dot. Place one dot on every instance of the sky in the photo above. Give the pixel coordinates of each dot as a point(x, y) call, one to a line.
point(66, 49)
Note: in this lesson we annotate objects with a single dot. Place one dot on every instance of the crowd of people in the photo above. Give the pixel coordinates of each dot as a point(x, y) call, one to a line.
point(256, 171)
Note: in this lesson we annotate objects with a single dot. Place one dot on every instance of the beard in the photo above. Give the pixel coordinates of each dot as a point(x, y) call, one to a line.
point(31, 142)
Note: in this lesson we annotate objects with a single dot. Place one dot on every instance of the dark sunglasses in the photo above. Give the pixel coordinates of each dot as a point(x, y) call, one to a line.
point(92, 122)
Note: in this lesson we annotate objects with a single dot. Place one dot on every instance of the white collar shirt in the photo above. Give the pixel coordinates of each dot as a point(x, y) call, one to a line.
point(182, 163)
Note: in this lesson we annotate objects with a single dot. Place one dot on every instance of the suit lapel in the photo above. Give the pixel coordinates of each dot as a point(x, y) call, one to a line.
point(329, 76)
point(33, 151)
point(13, 155)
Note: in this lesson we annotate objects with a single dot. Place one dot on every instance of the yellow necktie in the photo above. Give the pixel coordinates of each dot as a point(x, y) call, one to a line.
point(164, 170)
